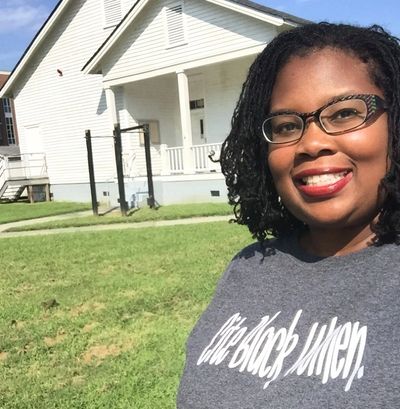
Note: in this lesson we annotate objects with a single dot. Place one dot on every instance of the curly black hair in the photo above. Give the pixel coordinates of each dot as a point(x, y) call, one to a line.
point(251, 189)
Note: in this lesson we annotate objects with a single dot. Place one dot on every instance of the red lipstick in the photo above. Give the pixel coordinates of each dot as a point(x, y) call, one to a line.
point(322, 191)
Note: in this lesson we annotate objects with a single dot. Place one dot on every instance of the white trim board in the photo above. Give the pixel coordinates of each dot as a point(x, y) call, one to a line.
point(184, 67)
point(276, 21)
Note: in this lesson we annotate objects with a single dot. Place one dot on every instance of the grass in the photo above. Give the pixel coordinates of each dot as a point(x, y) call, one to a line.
point(170, 212)
point(126, 303)
point(12, 212)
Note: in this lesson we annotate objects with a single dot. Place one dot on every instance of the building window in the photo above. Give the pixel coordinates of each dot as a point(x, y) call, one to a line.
point(6, 106)
point(197, 104)
point(154, 132)
point(10, 131)
point(112, 12)
point(175, 27)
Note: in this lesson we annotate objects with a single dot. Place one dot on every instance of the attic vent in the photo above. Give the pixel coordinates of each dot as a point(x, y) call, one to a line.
point(112, 12)
point(175, 26)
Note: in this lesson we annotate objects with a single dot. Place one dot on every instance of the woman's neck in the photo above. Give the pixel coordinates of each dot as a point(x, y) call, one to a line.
point(331, 242)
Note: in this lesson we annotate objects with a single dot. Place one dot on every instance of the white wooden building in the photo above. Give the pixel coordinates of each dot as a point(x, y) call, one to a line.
point(176, 64)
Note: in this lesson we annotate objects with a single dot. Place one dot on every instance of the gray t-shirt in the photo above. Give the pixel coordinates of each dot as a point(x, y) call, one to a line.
point(289, 330)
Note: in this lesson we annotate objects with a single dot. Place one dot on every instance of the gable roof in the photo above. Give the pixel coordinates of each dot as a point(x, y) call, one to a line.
point(288, 18)
point(33, 46)
point(246, 7)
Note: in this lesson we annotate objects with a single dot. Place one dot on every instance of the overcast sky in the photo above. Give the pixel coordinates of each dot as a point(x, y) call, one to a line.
point(21, 19)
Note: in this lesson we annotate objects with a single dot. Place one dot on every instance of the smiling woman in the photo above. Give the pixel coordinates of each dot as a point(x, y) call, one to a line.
point(310, 318)
point(331, 182)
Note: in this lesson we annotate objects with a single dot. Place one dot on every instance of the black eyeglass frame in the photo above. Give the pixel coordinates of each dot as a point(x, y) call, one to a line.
point(374, 103)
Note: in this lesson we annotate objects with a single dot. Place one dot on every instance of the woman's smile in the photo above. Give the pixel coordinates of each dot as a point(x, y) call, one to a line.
point(322, 183)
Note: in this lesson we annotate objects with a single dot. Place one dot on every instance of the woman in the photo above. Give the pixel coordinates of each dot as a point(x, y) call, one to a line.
point(311, 318)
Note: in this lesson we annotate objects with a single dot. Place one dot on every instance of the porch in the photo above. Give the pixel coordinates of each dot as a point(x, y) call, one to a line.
point(189, 115)
point(168, 161)
point(204, 158)
point(24, 171)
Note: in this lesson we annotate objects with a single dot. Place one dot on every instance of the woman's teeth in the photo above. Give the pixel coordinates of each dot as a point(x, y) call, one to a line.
point(325, 179)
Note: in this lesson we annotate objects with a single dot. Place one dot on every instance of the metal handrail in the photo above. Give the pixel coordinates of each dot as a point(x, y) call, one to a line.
point(26, 162)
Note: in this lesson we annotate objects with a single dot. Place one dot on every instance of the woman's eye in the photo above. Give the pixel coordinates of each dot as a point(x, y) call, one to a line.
point(286, 128)
point(344, 114)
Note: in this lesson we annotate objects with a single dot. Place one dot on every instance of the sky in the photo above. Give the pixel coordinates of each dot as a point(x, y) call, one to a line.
point(21, 19)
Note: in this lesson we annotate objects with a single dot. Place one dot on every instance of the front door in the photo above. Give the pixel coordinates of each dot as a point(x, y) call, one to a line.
point(198, 127)
point(33, 148)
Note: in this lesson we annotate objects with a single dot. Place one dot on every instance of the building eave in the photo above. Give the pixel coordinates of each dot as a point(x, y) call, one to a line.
point(289, 19)
point(92, 66)
point(249, 8)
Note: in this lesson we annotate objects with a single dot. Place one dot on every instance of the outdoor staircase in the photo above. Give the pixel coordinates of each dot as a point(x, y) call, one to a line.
point(19, 172)
point(10, 192)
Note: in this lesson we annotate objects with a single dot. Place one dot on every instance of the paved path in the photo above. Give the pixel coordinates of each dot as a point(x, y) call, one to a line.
point(101, 227)
point(44, 219)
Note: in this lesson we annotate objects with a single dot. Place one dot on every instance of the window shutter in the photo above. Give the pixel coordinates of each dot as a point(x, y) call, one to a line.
point(175, 27)
point(112, 12)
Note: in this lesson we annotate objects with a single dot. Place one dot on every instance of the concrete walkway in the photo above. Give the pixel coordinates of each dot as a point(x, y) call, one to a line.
point(29, 222)
point(101, 227)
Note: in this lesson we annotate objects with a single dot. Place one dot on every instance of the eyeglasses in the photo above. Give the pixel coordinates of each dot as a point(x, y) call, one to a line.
point(337, 117)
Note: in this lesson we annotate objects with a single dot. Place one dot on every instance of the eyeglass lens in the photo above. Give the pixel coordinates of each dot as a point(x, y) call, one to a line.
point(338, 117)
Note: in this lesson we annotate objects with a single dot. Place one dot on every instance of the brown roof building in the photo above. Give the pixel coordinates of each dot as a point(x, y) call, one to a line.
point(8, 130)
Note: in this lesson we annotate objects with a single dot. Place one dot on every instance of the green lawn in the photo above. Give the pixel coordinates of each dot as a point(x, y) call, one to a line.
point(12, 212)
point(127, 301)
point(170, 212)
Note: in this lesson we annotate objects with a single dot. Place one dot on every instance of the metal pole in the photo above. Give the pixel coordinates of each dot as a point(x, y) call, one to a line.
point(150, 200)
point(91, 172)
point(120, 171)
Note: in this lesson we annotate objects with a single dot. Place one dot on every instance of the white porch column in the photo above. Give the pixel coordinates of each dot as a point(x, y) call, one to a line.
point(186, 125)
point(111, 105)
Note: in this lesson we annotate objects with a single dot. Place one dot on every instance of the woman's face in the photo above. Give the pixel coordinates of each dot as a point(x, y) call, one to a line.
point(357, 159)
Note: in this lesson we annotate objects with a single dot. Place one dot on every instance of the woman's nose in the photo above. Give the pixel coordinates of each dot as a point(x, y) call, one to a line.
point(315, 141)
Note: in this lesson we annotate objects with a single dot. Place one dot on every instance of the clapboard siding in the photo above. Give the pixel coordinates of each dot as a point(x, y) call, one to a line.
point(114, 10)
point(223, 84)
point(210, 31)
point(64, 106)
point(153, 99)
point(127, 4)
point(61, 108)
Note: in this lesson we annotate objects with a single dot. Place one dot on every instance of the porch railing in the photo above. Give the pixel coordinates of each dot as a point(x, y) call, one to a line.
point(173, 162)
point(175, 159)
point(201, 158)
point(24, 166)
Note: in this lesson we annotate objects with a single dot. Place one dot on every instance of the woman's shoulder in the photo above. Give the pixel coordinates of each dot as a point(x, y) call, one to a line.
point(267, 248)
point(286, 250)
point(262, 253)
